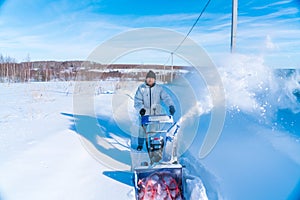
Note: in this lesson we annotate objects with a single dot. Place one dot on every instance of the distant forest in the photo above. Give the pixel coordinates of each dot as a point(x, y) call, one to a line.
point(44, 71)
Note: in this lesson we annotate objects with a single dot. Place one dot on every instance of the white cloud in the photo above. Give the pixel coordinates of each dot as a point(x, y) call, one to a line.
point(220, 26)
point(166, 18)
point(75, 34)
point(281, 12)
point(62, 38)
point(272, 4)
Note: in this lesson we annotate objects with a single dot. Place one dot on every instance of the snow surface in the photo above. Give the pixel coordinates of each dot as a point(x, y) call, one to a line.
point(40, 156)
point(44, 156)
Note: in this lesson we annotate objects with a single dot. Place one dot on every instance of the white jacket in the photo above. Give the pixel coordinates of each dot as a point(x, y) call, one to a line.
point(150, 99)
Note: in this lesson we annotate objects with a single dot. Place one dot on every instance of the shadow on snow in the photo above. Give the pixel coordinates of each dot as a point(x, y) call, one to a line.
point(103, 128)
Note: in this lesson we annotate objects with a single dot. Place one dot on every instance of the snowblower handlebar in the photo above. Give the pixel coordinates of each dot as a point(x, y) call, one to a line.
point(156, 119)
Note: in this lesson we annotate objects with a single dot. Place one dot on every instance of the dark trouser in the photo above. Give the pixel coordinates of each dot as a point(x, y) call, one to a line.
point(141, 141)
point(142, 135)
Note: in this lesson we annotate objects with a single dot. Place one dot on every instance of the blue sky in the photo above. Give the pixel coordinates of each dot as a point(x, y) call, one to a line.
point(70, 30)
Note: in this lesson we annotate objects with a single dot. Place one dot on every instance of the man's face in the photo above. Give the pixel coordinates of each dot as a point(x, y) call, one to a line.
point(150, 81)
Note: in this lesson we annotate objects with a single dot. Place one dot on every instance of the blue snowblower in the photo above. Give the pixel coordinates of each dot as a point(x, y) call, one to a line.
point(157, 174)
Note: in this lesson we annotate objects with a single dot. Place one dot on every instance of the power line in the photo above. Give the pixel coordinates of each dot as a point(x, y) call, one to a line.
point(191, 29)
point(192, 26)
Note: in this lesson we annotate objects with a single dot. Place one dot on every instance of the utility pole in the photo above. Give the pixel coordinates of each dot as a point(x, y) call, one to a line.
point(234, 24)
point(172, 66)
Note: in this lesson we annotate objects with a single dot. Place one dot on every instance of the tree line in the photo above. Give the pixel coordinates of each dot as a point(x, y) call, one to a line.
point(44, 71)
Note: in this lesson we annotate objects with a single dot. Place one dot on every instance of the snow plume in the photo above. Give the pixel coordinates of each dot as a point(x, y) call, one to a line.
point(243, 76)
point(270, 45)
point(247, 80)
point(256, 89)
point(198, 109)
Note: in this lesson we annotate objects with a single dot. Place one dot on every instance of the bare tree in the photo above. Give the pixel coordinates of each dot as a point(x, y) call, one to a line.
point(1, 58)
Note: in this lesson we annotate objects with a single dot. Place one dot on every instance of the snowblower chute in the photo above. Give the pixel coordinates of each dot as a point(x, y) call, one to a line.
point(161, 176)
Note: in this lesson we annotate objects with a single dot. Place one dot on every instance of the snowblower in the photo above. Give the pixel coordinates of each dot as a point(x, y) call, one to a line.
point(160, 176)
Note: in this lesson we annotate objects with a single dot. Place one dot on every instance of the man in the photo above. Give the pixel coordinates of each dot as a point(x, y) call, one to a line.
point(146, 100)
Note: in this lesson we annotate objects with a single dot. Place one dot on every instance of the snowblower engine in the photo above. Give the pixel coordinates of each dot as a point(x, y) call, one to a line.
point(156, 143)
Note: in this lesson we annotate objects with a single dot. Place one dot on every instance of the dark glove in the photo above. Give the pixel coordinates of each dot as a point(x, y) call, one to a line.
point(142, 112)
point(172, 110)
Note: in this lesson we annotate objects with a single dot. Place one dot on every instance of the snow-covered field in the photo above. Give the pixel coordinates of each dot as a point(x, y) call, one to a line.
point(44, 155)
point(40, 156)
